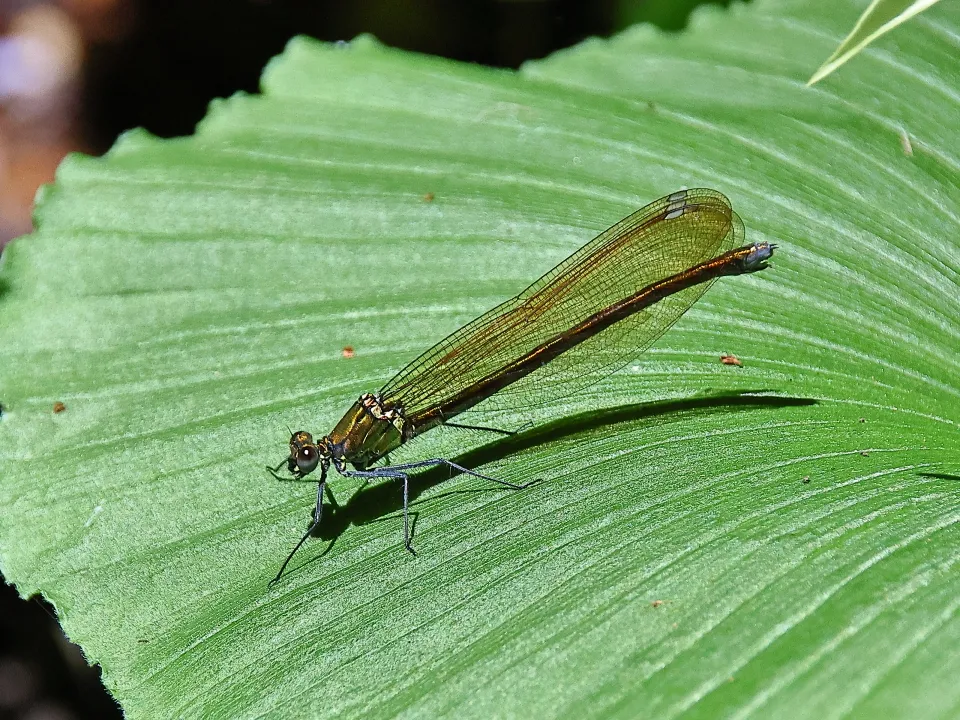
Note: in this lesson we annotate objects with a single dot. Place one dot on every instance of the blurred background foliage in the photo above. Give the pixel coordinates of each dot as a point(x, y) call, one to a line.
point(74, 74)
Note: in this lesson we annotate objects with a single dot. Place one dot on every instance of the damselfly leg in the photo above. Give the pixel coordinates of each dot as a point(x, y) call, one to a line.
point(399, 472)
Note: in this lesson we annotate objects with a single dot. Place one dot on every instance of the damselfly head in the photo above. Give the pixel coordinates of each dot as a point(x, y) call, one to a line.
point(304, 453)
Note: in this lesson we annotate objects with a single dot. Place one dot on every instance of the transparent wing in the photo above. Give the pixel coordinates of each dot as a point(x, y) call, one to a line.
point(662, 239)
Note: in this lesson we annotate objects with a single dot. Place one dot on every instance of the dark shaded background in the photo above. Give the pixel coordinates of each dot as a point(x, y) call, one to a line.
point(112, 65)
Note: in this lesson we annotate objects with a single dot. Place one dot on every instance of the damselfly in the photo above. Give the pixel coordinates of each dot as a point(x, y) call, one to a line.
point(587, 317)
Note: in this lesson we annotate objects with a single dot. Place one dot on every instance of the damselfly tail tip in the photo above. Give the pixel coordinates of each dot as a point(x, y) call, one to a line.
point(757, 257)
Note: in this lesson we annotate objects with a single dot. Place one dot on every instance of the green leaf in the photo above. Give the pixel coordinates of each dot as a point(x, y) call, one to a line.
point(776, 540)
point(881, 17)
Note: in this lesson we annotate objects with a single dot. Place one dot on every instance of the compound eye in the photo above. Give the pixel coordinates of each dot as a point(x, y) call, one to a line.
point(307, 459)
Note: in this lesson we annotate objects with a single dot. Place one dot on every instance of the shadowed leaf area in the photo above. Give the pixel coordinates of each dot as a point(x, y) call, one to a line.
point(773, 540)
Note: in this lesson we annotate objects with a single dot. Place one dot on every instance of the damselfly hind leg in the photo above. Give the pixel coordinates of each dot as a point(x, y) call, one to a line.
point(399, 472)
point(480, 427)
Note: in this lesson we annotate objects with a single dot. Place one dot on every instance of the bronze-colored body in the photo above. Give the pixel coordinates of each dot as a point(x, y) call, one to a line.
point(367, 432)
point(370, 428)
